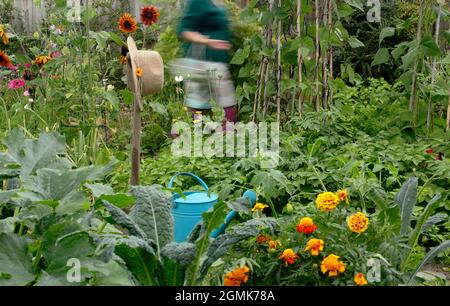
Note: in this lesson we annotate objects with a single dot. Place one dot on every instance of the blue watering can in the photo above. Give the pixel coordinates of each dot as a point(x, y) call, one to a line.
point(188, 212)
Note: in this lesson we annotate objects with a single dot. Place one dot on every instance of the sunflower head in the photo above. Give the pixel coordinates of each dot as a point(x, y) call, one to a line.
point(149, 15)
point(127, 24)
point(4, 60)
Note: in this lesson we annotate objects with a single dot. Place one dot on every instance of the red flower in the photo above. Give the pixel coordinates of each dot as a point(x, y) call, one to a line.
point(149, 15)
point(429, 151)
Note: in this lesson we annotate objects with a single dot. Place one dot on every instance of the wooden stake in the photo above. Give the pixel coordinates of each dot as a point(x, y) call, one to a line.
point(136, 141)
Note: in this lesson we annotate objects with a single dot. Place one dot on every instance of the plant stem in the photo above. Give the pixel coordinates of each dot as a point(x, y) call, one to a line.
point(101, 227)
point(37, 258)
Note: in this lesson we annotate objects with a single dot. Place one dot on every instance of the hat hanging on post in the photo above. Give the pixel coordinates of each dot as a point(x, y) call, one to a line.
point(151, 63)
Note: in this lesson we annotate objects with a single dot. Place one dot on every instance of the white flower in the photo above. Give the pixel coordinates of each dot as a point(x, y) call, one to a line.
point(30, 100)
point(110, 87)
point(179, 78)
point(26, 93)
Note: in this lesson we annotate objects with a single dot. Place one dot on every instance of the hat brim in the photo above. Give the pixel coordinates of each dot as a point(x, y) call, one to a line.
point(133, 82)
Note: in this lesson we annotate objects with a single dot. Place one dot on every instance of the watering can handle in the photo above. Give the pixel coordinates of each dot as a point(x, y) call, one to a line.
point(199, 180)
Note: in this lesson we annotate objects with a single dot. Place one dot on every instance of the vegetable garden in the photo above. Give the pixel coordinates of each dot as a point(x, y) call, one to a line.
point(360, 193)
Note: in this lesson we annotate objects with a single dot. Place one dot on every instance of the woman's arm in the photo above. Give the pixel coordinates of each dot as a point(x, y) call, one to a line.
point(198, 38)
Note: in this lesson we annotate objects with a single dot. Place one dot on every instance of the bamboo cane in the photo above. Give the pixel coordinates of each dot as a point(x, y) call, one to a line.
point(317, 58)
point(279, 70)
point(299, 55)
point(433, 71)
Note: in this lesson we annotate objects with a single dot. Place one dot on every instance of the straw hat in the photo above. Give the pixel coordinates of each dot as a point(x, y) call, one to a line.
point(151, 63)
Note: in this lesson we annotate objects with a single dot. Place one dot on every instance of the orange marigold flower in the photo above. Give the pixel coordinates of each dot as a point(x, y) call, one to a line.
point(343, 195)
point(360, 279)
point(139, 72)
point(273, 244)
point(306, 226)
point(127, 24)
point(259, 207)
point(149, 15)
point(327, 201)
point(358, 222)
point(262, 239)
point(123, 60)
point(236, 277)
point(332, 265)
point(315, 246)
point(289, 257)
point(4, 60)
point(41, 60)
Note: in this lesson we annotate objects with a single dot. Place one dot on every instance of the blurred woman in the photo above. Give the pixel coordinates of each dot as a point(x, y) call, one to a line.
point(205, 27)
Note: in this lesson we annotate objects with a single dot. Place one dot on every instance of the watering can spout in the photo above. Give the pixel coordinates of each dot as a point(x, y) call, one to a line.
point(249, 194)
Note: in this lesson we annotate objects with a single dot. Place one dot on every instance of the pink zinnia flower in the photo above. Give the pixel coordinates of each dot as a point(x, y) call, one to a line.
point(55, 54)
point(16, 84)
point(27, 65)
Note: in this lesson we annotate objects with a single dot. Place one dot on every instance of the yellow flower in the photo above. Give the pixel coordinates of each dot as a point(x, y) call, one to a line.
point(42, 60)
point(195, 121)
point(139, 72)
point(259, 207)
point(327, 201)
point(343, 195)
point(289, 257)
point(360, 279)
point(332, 265)
point(236, 277)
point(315, 246)
point(198, 112)
point(358, 222)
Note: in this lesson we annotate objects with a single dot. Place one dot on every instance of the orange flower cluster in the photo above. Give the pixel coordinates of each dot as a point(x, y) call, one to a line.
point(237, 277)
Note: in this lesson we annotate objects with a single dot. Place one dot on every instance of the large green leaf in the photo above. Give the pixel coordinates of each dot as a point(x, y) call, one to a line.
point(79, 246)
point(423, 218)
point(34, 154)
point(386, 32)
point(9, 168)
point(152, 213)
point(122, 219)
point(430, 255)
point(15, 261)
point(381, 57)
point(182, 253)
point(406, 199)
point(138, 255)
point(428, 46)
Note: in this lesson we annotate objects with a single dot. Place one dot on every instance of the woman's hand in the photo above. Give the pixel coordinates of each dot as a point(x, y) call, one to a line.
point(218, 44)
